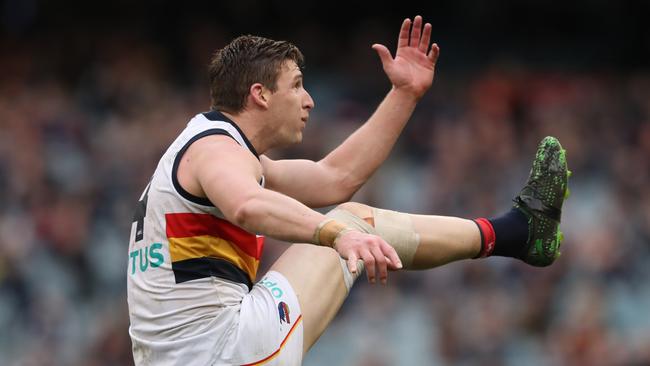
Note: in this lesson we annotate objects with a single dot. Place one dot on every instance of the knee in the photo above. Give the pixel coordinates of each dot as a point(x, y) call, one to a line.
point(355, 215)
point(357, 209)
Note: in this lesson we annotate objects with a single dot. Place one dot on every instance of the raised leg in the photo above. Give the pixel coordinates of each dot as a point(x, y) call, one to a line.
point(316, 275)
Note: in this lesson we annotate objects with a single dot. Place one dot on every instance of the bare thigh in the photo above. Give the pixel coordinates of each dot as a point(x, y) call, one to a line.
point(316, 276)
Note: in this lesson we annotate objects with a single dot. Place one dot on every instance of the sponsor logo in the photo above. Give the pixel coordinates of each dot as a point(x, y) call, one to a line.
point(283, 310)
point(276, 291)
point(147, 257)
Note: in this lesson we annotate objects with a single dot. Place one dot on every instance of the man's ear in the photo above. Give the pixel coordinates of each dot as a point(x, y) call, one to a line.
point(259, 95)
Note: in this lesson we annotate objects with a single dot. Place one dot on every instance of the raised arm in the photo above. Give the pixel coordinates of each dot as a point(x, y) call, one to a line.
point(343, 171)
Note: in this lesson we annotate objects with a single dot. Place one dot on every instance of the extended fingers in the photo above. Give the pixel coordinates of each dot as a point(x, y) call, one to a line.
point(403, 40)
point(392, 256)
point(380, 261)
point(369, 262)
point(415, 32)
point(434, 53)
point(412, 34)
point(426, 38)
point(377, 255)
point(352, 263)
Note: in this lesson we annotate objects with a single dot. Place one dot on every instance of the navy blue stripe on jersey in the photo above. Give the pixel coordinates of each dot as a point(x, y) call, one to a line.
point(218, 116)
point(196, 268)
point(187, 195)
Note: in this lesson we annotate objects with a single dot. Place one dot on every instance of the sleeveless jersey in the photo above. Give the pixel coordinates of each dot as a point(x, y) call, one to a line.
point(188, 265)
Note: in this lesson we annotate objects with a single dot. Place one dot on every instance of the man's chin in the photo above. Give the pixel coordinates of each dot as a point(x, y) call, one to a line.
point(290, 141)
point(296, 139)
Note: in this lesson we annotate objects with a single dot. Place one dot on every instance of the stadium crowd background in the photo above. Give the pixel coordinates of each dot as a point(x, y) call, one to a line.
point(92, 93)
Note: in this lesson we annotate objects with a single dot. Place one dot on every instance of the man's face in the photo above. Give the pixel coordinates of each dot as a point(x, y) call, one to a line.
point(289, 105)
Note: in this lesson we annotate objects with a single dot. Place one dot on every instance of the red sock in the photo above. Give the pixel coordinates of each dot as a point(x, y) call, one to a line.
point(488, 237)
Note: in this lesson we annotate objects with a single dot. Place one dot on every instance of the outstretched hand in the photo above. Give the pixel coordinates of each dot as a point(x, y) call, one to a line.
point(377, 255)
point(413, 67)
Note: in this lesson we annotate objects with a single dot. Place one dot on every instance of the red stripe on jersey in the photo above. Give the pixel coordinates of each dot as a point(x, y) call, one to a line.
point(183, 225)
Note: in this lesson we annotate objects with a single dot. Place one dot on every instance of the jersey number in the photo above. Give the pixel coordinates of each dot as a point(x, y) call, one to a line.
point(140, 213)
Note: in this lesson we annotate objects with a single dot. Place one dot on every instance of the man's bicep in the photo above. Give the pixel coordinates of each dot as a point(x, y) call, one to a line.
point(289, 175)
point(229, 176)
point(311, 183)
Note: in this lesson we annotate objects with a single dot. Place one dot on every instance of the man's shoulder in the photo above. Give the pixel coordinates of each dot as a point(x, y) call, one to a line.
point(220, 151)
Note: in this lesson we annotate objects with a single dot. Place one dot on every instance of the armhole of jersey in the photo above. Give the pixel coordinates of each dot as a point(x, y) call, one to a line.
point(218, 116)
point(185, 194)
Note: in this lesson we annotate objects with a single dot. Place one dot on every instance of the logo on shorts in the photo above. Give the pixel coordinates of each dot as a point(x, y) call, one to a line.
point(276, 291)
point(283, 309)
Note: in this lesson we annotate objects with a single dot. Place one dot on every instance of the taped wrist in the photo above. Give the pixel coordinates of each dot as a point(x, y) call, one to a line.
point(328, 231)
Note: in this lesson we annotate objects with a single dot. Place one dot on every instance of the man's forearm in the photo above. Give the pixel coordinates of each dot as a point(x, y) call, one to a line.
point(359, 156)
point(278, 216)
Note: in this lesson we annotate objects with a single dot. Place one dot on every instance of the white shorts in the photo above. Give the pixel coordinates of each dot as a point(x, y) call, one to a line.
point(270, 330)
point(265, 328)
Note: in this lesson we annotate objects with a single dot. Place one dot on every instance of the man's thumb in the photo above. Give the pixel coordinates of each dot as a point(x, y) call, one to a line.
point(383, 52)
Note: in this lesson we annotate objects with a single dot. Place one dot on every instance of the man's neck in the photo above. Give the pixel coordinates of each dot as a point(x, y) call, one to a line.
point(253, 129)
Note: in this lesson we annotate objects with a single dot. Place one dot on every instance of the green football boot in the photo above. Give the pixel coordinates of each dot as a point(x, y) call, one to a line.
point(541, 201)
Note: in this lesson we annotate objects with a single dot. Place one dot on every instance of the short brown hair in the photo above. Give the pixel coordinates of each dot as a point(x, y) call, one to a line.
point(245, 61)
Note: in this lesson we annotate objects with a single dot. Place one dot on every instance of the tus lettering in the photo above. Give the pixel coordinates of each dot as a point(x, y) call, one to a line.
point(145, 258)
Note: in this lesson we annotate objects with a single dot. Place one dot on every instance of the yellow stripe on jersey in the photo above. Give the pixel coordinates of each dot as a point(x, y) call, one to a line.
point(210, 246)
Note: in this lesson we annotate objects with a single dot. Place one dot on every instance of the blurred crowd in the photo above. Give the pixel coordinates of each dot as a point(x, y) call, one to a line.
point(80, 139)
